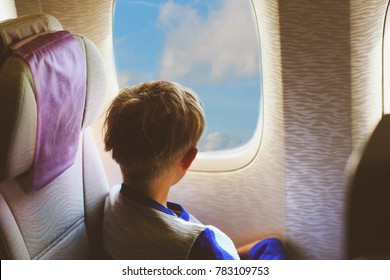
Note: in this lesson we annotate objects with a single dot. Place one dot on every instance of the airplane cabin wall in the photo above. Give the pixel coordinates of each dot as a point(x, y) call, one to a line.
point(332, 92)
point(321, 97)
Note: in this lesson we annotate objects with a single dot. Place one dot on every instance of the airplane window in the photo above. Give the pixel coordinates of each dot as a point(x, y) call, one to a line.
point(210, 46)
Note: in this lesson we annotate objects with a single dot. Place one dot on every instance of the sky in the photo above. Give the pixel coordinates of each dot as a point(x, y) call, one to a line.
point(209, 46)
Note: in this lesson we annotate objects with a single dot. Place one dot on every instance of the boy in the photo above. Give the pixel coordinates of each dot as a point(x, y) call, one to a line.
point(153, 130)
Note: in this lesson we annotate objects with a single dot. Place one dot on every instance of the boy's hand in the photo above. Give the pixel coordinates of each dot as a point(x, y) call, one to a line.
point(243, 251)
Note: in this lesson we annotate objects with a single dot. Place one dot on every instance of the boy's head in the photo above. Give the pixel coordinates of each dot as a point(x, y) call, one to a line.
point(151, 125)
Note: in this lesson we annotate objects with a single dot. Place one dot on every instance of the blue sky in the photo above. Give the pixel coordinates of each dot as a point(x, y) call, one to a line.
point(209, 46)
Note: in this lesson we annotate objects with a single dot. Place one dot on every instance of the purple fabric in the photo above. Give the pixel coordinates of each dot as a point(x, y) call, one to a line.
point(59, 72)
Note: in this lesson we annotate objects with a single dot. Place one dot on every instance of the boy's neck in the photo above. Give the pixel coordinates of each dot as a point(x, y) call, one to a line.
point(158, 190)
point(158, 194)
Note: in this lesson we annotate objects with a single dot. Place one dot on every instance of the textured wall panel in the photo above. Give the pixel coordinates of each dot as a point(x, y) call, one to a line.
point(331, 77)
point(367, 19)
point(315, 70)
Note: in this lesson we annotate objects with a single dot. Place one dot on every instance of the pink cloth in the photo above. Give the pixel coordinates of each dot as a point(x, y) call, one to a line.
point(59, 73)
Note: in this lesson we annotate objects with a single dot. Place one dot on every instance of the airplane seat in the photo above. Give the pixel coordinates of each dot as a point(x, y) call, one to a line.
point(368, 209)
point(53, 186)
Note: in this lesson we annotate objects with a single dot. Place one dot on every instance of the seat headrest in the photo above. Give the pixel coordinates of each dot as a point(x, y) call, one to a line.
point(58, 68)
point(15, 30)
point(18, 106)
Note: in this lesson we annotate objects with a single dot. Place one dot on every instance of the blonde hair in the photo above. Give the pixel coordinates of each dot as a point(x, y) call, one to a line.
point(148, 126)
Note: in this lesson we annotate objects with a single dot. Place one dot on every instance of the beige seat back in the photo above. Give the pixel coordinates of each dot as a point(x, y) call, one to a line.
point(63, 219)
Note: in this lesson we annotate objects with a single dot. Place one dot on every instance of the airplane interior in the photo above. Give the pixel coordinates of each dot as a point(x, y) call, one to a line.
point(316, 170)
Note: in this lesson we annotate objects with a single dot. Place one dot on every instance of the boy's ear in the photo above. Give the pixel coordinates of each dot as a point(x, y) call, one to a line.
point(188, 158)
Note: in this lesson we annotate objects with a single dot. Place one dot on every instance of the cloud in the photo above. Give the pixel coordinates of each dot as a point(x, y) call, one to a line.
point(219, 46)
point(218, 141)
